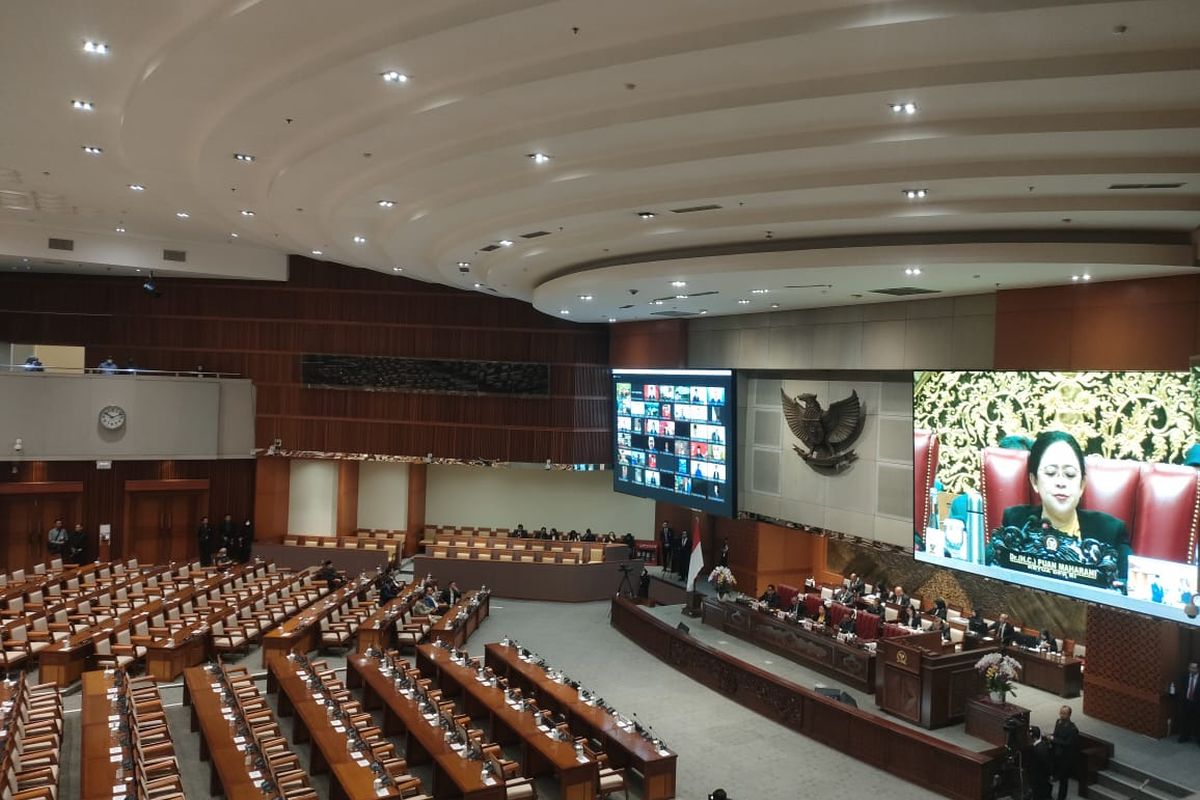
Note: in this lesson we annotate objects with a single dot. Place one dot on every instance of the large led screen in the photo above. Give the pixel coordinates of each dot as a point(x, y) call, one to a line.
point(1080, 483)
point(673, 437)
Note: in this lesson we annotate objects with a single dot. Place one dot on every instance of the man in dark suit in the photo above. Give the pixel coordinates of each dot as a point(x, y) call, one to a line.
point(977, 624)
point(451, 594)
point(1003, 630)
point(683, 554)
point(898, 597)
point(205, 536)
point(228, 533)
point(1064, 742)
point(1039, 763)
point(666, 540)
point(855, 584)
point(1187, 691)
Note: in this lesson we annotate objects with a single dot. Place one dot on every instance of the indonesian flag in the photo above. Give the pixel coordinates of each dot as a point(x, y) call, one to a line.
point(696, 564)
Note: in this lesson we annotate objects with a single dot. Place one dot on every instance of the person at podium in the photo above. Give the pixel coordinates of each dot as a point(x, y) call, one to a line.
point(770, 597)
point(1058, 526)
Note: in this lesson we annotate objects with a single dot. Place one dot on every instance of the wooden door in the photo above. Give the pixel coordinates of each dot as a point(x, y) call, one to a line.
point(182, 521)
point(162, 525)
point(25, 519)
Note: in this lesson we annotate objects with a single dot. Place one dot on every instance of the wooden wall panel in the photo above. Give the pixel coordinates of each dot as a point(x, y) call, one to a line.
point(1131, 660)
point(262, 329)
point(272, 491)
point(347, 498)
point(230, 483)
point(657, 344)
point(1138, 324)
point(418, 476)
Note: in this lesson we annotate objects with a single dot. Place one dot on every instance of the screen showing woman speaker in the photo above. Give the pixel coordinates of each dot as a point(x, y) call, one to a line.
point(1081, 483)
point(672, 436)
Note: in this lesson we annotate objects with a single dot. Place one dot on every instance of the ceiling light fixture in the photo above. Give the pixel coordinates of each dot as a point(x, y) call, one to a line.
point(318, 253)
point(1084, 277)
point(392, 76)
point(233, 234)
point(647, 214)
point(137, 187)
point(539, 158)
point(565, 312)
point(656, 302)
point(704, 311)
point(464, 265)
point(360, 240)
point(386, 203)
point(243, 157)
point(774, 305)
point(96, 48)
point(182, 214)
point(478, 285)
point(120, 229)
point(914, 194)
point(506, 243)
point(247, 212)
point(397, 269)
point(82, 105)
point(681, 297)
point(678, 284)
point(612, 319)
point(587, 298)
point(742, 301)
point(903, 108)
point(92, 150)
point(912, 271)
point(760, 291)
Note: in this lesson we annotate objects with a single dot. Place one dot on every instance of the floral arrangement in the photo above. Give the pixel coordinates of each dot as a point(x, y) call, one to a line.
point(722, 578)
point(999, 672)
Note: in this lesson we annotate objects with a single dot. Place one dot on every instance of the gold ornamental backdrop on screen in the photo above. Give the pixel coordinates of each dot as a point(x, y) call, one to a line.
point(1140, 416)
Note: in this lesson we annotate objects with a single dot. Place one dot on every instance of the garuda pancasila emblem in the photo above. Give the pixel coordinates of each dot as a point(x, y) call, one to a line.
point(828, 435)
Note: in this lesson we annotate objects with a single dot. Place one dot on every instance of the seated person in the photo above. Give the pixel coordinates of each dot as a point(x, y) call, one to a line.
point(1046, 641)
point(855, 584)
point(910, 617)
point(222, 560)
point(588, 536)
point(944, 627)
point(428, 604)
point(939, 609)
point(770, 597)
point(1058, 475)
point(520, 532)
point(1003, 630)
point(451, 594)
point(847, 623)
point(977, 624)
point(875, 606)
point(898, 596)
point(326, 573)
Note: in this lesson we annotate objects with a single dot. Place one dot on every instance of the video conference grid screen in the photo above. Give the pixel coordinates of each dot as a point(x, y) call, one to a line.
point(673, 437)
point(1104, 530)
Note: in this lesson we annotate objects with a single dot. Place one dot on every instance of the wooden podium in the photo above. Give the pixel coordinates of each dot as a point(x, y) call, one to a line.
point(920, 682)
point(986, 720)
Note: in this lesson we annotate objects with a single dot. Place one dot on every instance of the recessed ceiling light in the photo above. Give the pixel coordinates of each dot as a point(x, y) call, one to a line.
point(914, 194)
point(360, 240)
point(612, 319)
point(464, 264)
point(742, 301)
point(647, 214)
point(678, 284)
point(243, 157)
point(386, 203)
point(760, 291)
point(233, 234)
point(704, 311)
point(247, 212)
point(182, 214)
point(137, 187)
point(92, 150)
point(98, 48)
point(681, 297)
point(1084, 277)
point(478, 285)
point(539, 158)
point(397, 269)
point(506, 243)
point(912, 271)
point(774, 305)
point(391, 76)
point(587, 298)
point(656, 302)
point(903, 108)
point(82, 105)
point(565, 312)
point(120, 229)
point(318, 253)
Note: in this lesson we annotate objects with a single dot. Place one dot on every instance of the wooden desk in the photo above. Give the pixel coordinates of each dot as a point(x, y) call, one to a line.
point(228, 774)
point(528, 580)
point(986, 720)
point(819, 649)
point(301, 632)
point(453, 775)
point(1042, 671)
point(625, 748)
point(539, 753)
point(349, 780)
point(100, 745)
point(456, 636)
point(919, 682)
point(375, 632)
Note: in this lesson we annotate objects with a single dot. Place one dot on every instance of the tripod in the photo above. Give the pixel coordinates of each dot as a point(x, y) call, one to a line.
point(625, 589)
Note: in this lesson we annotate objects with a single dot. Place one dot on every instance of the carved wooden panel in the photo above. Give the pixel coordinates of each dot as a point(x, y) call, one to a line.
point(1130, 662)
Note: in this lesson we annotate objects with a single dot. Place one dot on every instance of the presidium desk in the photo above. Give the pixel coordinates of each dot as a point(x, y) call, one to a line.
point(818, 649)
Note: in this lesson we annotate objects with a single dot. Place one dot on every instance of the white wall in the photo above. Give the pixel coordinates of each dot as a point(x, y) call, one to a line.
point(383, 495)
point(312, 497)
point(482, 496)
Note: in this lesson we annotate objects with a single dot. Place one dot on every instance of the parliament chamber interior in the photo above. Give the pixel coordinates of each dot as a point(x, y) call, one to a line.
point(510, 400)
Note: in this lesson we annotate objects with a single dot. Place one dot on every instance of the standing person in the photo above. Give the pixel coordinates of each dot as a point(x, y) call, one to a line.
point(683, 551)
point(204, 538)
point(77, 545)
point(56, 539)
point(723, 558)
point(246, 541)
point(666, 540)
point(226, 534)
point(1188, 691)
point(1064, 741)
point(1039, 765)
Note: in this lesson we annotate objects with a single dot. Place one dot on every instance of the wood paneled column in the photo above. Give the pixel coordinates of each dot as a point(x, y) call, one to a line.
point(347, 498)
point(415, 524)
point(272, 487)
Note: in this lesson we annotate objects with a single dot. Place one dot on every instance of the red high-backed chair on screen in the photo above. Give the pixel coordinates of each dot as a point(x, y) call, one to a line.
point(925, 457)
point(1157, 502)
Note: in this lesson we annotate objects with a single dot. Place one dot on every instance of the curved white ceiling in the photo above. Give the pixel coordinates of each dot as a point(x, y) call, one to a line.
point(777, 111)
